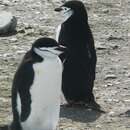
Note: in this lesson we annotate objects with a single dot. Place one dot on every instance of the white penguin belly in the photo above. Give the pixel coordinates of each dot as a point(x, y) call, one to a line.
point(45, 96)
point(58, 32)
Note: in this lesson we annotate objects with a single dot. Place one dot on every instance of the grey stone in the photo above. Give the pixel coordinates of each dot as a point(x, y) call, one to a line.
point(110, 76)
point(7, 23)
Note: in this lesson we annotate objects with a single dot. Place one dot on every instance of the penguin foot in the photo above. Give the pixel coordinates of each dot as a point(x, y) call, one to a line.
point(71, 103)
point(94, 106)
point(89, 105)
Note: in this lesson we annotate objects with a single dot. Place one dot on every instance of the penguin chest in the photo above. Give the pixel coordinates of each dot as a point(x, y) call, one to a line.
point(47, 80)
point(45, 96)
point(58, 32)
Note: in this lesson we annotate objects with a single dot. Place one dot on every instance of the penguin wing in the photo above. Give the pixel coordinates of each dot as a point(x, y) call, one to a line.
point(91, 52)
point(23, 80)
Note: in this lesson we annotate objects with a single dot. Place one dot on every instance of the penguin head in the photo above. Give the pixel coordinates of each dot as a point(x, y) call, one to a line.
point(65, 11)
point(47, 47)
point(75, 9)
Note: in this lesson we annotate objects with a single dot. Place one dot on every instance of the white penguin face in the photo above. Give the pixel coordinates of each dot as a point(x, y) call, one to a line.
point(49, 52)
point(65, 12)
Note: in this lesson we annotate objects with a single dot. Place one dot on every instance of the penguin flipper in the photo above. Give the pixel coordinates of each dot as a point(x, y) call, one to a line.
point(22, 82)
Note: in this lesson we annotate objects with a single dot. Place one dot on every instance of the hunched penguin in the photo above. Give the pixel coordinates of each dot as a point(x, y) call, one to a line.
point(37, 86)
point(80, 64)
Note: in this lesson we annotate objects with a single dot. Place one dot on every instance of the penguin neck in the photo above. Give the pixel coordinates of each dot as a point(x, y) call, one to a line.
point(32, 57)
point(46, 55)
point(77, 17)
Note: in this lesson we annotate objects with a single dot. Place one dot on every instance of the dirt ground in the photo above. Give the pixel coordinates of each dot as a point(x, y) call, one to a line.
point(110, 24)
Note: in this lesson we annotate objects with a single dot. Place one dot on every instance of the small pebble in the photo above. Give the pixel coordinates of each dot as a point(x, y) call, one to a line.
point(111, 76)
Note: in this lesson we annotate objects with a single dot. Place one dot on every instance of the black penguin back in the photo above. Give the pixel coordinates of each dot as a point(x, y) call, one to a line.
point(80, 64)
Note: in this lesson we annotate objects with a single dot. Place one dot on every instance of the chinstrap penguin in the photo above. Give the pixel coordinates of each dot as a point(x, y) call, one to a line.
point(80, 64)
point(36, 87)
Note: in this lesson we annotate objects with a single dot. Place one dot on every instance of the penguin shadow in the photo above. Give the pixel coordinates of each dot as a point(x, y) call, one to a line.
point(80, 114)
point(9, 34)
point(4, 127)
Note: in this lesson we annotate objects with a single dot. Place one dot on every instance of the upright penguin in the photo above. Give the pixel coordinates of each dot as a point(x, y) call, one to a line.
point(80, 64)
point(37, 86)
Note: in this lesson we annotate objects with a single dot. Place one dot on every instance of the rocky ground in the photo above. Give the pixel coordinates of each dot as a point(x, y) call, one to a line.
point(110, 23)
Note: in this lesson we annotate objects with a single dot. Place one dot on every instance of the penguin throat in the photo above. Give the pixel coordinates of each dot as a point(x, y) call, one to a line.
point(45, 54)
point(67, 15)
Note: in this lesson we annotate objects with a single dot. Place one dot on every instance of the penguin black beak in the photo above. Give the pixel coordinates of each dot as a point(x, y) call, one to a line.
point(58, 9)
point(61, 48)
